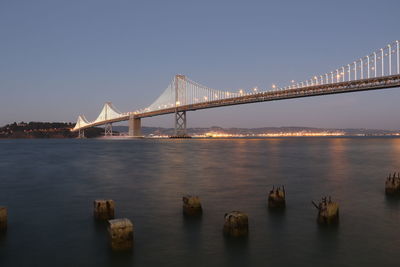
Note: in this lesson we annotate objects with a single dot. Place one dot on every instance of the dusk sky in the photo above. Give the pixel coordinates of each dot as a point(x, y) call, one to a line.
point(59, 59)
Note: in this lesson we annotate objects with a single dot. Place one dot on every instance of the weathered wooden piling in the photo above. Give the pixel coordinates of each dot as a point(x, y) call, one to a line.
point(192, 205)
point(3, 219)
point(236, 224)
point(328, 211)
point(121, 234)
point(392, 184)
point(276, 198)
point(104, 209)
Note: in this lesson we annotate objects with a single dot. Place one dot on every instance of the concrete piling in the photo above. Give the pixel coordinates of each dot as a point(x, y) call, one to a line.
point(121, 234)
point(3, 219)
point(392, 184)
point(236, 224)
point(328, 211)
point(276, 198)
point(192, 205)
point(104, 209)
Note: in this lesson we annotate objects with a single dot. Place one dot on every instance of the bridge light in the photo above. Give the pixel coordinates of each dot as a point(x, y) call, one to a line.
point(178, 103)
point(273, 86)
point(255, 89)
point(241, 91)
point(205, 98)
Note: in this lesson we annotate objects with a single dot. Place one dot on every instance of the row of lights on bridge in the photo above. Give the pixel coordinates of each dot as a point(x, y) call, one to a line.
point(339, 75)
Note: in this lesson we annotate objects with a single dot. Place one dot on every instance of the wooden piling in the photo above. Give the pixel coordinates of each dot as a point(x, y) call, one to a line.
point(277, 198)
point(392, 184)
point(328, 211)
point(121, 234)
point(104, 209)
point(3, 219)
point(192, 205)
point(236, 224)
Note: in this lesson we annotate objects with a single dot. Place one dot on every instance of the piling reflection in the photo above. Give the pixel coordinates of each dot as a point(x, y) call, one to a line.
point(392, 201)
point(237, 250)
point(3, 238)
point(192, 228)
point(121, 258)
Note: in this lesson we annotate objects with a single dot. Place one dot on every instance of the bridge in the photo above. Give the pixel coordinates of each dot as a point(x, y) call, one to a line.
point(378, 70)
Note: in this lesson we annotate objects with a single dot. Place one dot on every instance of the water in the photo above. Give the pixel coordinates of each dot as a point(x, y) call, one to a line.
point(49, 186)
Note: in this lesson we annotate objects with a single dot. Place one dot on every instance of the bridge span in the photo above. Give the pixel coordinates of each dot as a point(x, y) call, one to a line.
point(379, 70)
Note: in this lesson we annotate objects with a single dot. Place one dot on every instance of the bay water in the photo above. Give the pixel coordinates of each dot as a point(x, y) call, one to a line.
point(49, 187)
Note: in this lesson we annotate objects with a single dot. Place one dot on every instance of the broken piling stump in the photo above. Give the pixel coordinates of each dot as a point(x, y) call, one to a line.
point(192, 205)
point(3, 219)
point(328, 211)
point(236, 224)
point(276, 198)
point(392, 184)
point(121, 234)
point(104, 209)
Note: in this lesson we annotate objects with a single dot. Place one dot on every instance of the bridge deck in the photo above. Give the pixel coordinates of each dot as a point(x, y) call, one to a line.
point(315, 90)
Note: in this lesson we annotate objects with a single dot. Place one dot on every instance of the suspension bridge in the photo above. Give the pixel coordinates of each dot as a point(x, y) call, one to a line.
point(378, 70)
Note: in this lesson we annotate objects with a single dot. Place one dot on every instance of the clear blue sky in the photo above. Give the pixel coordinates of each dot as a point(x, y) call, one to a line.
point(59, 59)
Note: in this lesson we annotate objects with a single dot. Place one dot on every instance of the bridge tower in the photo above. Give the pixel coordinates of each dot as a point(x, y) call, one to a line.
point(180, 123)
point(135, 126)
point(108, 129)
point(180, 100)
point(108, 126)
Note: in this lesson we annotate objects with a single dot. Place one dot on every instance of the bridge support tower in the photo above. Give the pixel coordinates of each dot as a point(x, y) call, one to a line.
point(135, 126)
point(81, 133)
point(180, 124)
point(108, 129)
point(180, 100)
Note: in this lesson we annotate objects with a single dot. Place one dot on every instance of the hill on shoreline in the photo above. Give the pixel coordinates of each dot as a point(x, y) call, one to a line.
point(44, 130)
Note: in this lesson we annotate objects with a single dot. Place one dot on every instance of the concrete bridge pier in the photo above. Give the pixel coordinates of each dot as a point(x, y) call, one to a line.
point(135, 126)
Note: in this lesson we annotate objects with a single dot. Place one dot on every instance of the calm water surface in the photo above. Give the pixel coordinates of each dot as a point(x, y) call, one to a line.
point(49, 186)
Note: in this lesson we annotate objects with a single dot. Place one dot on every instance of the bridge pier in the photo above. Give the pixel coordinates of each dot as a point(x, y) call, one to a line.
point(135, 126)
point(108, 129)
point(81, 133)
point(180, 123)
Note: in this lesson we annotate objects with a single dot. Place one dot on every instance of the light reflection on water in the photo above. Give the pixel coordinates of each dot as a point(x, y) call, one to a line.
point(49, 186)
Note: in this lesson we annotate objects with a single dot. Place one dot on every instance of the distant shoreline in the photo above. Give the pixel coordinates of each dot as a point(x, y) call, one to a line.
point(62, 130)
point(121, 138)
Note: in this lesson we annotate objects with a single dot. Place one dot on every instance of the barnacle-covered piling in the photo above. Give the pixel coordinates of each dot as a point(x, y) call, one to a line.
point(277, 198)
point(392, 184)
point(3, 219)
point(236, 224)
point(121, 234)
point(192, 205)
point(328, 211)
point(104, 209)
